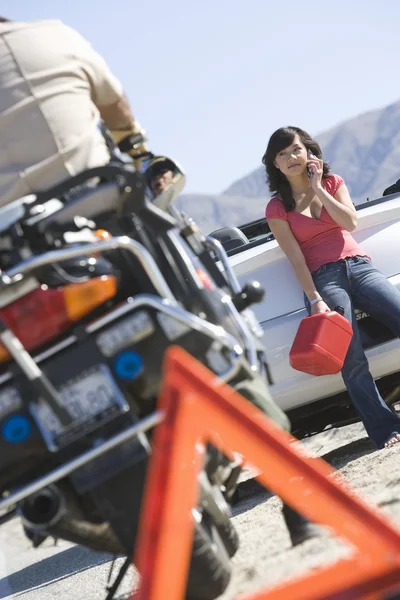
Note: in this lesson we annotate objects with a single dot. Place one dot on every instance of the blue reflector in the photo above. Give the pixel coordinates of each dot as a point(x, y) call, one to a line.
point(16, 429)
point(128, 365)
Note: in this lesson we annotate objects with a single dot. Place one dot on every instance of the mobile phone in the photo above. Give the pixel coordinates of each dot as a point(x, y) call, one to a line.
point(309, 155)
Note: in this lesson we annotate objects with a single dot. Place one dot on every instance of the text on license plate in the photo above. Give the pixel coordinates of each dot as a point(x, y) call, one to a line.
point(131, 330)
point(85, 398)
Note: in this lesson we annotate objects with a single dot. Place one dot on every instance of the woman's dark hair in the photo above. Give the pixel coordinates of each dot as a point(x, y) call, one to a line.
point(279, 140)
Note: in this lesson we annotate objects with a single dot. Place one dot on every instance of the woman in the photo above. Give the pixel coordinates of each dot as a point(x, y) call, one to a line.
point(312, 217)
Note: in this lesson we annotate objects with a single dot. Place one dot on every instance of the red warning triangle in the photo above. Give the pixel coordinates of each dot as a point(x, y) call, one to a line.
point(199, 408)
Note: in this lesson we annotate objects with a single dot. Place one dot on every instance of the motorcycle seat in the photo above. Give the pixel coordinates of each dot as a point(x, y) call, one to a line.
point(91, 203)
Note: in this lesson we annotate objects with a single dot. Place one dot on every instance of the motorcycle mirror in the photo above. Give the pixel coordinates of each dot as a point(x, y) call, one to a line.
point(165, 179)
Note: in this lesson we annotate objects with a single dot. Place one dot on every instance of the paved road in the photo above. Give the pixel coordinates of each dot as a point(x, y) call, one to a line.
point(68, 572)
point(64, 572)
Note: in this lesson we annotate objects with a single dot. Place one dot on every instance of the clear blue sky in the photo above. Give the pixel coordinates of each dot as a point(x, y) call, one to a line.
point(211, 80)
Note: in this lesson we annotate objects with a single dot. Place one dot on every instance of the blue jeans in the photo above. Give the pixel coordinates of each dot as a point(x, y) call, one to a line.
point(356, 283)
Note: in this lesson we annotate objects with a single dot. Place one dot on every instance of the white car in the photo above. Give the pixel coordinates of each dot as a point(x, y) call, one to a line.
point(313, 403)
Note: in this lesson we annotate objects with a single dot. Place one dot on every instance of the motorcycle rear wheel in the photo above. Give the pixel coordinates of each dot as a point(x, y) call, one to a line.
point(210, 566)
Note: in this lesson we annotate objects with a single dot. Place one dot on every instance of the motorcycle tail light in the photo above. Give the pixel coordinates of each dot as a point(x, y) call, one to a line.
point(45, 313)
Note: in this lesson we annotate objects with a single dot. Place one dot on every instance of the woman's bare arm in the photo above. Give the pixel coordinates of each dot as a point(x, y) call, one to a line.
point(340, 207)
point(291, 248)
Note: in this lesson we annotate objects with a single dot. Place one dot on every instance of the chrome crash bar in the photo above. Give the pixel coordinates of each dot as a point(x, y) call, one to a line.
point(213, 501)
point(215, 332)
point(151, 268)
point(218, 334)
point(236, 288)
point(15, 274)
point(118, 243)
point(222, 256)
point(74, 464)
point(245, 333)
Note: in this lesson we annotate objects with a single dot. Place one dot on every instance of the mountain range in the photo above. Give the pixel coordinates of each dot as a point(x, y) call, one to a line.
point(364, 150)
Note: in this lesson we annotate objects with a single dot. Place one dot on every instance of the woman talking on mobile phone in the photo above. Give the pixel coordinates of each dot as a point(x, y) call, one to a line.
point(312, 216)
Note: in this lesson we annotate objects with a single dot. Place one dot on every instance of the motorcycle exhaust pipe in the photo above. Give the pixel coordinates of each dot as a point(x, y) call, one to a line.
point(43, 509)
point(49, 512)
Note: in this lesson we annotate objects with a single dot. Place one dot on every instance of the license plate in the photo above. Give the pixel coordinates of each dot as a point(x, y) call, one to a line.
point(91, 399)
point(129, 331)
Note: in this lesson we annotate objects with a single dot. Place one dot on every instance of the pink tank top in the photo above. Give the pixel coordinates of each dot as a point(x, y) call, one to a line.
point(321, 240)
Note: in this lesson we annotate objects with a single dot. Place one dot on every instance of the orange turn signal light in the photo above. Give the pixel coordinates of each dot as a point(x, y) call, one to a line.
point(81, 298)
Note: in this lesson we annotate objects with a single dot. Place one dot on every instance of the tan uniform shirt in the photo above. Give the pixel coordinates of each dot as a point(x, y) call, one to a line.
point(51, 81)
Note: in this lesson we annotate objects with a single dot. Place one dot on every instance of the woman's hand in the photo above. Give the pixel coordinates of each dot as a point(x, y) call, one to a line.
point(319, 307)
point(316, 166)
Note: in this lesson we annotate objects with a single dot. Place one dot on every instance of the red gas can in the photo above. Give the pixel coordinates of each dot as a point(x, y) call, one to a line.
point(321, 343)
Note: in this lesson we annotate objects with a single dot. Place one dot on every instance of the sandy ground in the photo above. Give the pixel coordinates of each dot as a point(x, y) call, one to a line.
point(265, 556)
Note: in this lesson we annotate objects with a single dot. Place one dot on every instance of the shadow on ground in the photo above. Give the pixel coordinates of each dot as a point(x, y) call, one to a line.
point(251, 493)
point(340, 457)
point(55, 568)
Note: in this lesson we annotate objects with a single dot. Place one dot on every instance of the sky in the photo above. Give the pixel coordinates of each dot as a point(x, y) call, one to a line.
point(211, 80)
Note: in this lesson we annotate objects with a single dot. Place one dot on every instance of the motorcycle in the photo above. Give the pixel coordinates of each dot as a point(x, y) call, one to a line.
point(98, 278)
